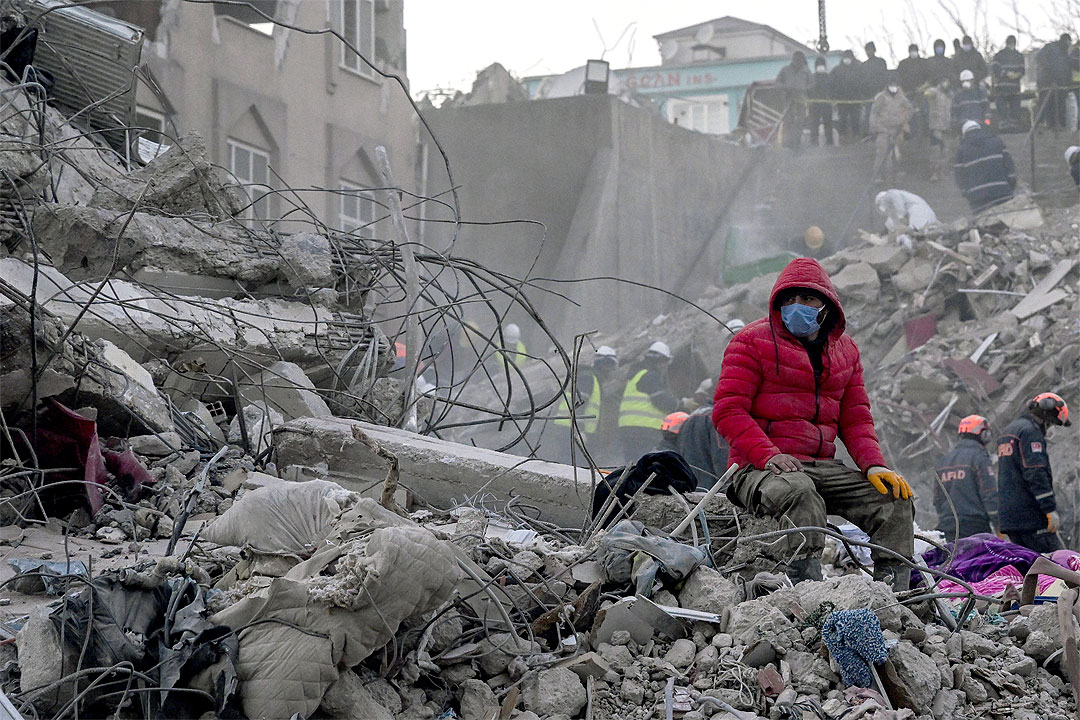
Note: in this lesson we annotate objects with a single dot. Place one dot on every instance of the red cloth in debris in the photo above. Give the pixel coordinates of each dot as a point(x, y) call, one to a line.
point(66, 439)
point(768, 401)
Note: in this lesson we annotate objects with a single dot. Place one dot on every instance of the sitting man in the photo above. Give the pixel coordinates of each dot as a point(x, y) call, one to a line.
point(790, 384)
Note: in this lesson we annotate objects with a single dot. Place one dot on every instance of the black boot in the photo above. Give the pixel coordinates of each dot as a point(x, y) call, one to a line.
point(804, 569)
point(895, 575)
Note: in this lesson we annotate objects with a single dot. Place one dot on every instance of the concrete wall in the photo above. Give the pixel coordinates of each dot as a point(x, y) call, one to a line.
point(620, 192)
point(286, 93)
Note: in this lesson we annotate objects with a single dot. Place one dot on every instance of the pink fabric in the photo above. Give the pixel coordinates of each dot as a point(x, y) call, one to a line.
point(995, 583)
point(1067, 559)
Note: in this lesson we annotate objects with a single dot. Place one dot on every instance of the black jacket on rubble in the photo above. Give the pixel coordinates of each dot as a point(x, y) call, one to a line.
point(968, 477)
point(984, 170)
point(1025, 482)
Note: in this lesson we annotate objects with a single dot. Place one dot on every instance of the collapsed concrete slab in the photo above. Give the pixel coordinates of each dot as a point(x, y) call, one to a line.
point(284, 388)
point(441, 472)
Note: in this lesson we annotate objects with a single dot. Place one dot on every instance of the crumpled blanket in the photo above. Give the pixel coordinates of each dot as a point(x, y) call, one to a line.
point(980, 555)
point(854, 638)
point(628, 553)
point(995, 583)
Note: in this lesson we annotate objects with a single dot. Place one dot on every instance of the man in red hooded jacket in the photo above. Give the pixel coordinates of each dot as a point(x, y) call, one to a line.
point(790, 385)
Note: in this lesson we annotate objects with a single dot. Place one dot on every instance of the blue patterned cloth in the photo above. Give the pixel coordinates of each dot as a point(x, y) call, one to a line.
point(854, 638)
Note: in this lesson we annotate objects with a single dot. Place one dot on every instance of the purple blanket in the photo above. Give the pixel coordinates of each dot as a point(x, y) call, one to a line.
point(980, 555)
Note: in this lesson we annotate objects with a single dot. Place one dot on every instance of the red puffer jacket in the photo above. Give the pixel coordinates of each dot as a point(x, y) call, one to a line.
point(768, 401)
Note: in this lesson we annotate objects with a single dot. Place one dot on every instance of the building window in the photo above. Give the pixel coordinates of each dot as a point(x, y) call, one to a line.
point(708, 114)
point(358, 28)
point(149, 138)
point(357, 208)
point(251, 168)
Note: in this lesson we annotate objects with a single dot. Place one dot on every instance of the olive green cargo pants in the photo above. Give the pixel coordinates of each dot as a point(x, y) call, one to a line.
point(822, 487)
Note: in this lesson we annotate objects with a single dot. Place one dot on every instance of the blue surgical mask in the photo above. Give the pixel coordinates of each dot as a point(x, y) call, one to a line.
point(800, 320)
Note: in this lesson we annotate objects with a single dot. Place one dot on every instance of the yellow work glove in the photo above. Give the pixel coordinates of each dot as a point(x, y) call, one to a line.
point(879, 476)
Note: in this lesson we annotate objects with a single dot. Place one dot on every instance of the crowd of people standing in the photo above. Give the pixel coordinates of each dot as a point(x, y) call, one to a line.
point(930, 96)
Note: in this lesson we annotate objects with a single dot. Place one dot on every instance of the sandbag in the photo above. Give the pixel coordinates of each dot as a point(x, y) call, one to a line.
point(284, 518)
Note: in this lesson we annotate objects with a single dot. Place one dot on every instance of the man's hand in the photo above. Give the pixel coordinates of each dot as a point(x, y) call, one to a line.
point(783, 463)
point(880, 476)
point(1053, 521)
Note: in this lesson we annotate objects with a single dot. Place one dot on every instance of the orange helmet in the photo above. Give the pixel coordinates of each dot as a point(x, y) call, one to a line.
point(973, 424)
point(673, 421)
point(1049, 402)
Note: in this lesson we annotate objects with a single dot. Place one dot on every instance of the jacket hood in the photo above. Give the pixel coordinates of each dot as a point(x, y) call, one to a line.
point(807, 273)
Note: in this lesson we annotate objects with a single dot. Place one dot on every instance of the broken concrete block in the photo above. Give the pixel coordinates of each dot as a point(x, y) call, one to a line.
point(287, 390)
point(885, 259)
point(755, 619)
point(914, 276)
point(477, 700)
point(495, 659)
point(1020, 213)
point(590, 664)
point(847, 592)
point(556, 691)
point(199, 413)
point(259, 423)
point(347, 698)
point(307, 261)
point(915, 677)
point(158, 445)
point(708, 591)
point(681, 653)
point(182, 181)
point(42, 661)
point(857, 283)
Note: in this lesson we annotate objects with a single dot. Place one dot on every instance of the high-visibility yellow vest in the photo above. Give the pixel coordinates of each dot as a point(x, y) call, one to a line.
point(637, 409)
point(517, 355)
point(591, 408)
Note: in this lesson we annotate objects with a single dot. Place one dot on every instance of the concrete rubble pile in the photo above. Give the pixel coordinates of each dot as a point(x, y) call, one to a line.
point(285, 599)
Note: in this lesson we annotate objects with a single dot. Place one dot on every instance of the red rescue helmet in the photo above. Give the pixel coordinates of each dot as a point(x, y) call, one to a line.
point(1053, 407)
point(973, 425)
point(673, 421)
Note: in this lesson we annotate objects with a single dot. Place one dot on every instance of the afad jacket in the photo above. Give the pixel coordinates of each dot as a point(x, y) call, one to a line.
point(768, 399)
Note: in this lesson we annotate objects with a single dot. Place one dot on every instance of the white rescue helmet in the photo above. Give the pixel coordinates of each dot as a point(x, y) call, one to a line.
point(1070, 151)
point(660, 348)
point(968, 126)
point(512, 333)
point(735, 325)
point(967, 75)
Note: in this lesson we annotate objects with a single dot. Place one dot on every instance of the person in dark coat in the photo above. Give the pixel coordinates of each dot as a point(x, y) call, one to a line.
point(1025, 481)
point(967, 484)
point(912, 73)
point(790, 385)
point(794, 78)
point(938, 67)
point(970, 102)
point(846, 88)
point(1006, 69)
point(984, 170)
point(968, 58)
point(875, 76)
point(1072, 159)
point(821, 111)
point(1054, 76)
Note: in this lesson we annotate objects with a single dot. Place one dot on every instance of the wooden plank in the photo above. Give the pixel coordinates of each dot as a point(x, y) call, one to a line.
point(950, 252)
point(1035, 298)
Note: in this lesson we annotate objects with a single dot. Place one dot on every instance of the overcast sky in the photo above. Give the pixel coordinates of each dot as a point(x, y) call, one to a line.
point(449, 41)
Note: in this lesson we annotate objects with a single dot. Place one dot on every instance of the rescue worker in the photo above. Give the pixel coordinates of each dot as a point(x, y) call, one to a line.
point(513, 348)
point(967, 484)
point(1054, 75)
point(970, 59)
point(702, 447)
point(645, 402)
point(938, 67)
point(1006, 69)
point(592, 387)
point(821, 111)
point(971, 102)
point(1025, 482)
point(904, 211)
point(847, 90)
point(984, 169)
point(669, 431)
point(911, 73)
point(889, 117)
point(939, 117)
point(1072, 159)
point(794, 78)
point(791, 384)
